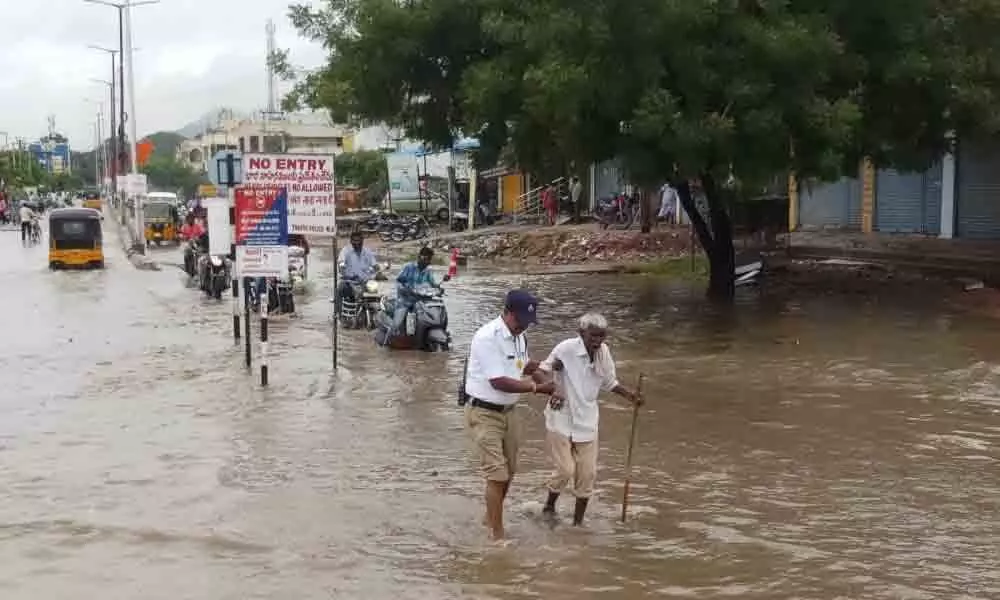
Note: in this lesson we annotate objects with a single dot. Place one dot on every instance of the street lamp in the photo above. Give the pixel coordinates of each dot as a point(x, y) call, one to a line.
point(125, 47)
point(116, 136)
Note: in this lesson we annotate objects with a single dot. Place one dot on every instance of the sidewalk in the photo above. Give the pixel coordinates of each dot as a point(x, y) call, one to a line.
point(978, 258)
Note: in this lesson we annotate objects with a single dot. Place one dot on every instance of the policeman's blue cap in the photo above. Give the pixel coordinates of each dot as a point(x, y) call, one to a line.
point(523, 305)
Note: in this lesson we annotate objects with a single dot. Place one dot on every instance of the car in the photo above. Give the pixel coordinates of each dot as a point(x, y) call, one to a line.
point(432, 203)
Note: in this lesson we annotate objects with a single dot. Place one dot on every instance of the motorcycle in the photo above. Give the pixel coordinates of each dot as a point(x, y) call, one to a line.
point(426, 325)
point(280, 299)
point(360, 313)
point(214, 274)
point(192, 258)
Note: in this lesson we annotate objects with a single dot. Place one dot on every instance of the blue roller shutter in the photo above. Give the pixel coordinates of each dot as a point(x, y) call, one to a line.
point(978, 192)
point(908, 202)
point(831, 205)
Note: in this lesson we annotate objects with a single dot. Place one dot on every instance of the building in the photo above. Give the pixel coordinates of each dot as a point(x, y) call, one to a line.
point(306, 134)
point(957, 197)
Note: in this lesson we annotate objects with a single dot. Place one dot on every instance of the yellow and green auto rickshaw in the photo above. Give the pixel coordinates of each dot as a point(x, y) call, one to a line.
point(75, 238)
point(160, 220)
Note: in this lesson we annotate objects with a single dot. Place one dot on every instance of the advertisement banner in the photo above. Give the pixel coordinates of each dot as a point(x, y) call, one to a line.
point(262, 216)
point(262, 261)
point(217, 222)
point(403, 174)
point(309, 188)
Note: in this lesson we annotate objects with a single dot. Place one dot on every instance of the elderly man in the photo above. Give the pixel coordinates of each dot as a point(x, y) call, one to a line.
point(582, 367)
point(497, 374)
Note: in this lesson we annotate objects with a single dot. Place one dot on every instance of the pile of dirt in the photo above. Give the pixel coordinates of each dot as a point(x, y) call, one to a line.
point(571, 245)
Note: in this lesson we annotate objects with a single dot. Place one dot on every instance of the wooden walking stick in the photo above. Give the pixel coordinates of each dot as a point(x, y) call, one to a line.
point(631, 445)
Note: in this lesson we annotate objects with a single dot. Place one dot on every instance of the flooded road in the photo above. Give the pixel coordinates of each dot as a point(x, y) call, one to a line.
point(819, 449)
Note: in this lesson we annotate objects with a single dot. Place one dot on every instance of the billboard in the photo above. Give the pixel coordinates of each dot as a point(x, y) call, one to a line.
point(53, 157)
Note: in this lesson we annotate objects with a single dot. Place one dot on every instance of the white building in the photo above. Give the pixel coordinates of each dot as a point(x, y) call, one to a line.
point(295, 134)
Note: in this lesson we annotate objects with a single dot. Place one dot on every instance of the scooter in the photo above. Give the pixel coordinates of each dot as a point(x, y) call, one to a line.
point(426, 324)
point(214, 273)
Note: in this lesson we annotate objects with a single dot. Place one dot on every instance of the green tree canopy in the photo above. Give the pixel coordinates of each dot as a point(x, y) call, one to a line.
point(167, 174)
point(695, 90)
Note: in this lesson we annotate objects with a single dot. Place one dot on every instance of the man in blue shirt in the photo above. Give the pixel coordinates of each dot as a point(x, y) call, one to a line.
point(412, 275)
point(357, 265)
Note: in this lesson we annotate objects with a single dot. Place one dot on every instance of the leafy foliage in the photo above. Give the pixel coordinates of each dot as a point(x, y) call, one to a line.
point(167, 174)
point(365, 169)
point(700, 90)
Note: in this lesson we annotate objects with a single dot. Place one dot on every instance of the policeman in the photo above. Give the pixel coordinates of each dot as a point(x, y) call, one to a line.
point(498, 372)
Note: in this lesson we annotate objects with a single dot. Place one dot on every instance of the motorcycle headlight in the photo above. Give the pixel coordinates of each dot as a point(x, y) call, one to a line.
point(216, 261)
point(371, 287)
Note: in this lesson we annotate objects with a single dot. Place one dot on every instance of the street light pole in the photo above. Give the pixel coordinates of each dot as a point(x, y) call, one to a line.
point(113, 140)
point(125, 44)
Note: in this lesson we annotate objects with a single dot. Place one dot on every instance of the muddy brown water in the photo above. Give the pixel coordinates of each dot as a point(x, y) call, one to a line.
point(819, 448)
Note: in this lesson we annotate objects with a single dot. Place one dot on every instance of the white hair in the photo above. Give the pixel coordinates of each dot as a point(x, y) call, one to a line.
point(593, 320)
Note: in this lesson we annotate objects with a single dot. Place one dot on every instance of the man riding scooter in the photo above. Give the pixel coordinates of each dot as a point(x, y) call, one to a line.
point(191, 231)
point(358, 266)
point(412, 275)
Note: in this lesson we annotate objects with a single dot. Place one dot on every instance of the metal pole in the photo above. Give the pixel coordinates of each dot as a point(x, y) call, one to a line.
point(263, 337)
point(336, 317)
point(248, 352)
point(231, 191)
point(133, 134)
point(113, 144)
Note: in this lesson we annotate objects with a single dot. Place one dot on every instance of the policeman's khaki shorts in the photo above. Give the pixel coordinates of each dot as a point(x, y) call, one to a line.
point(495, 436)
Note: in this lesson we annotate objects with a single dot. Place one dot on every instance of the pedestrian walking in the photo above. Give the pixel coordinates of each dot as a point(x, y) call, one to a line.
point(550, 203)
point(497, 374)
point(668, 204)
point(582, 367)
point(576, 196)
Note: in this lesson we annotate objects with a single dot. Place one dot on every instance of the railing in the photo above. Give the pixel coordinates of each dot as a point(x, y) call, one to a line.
point(528, 206)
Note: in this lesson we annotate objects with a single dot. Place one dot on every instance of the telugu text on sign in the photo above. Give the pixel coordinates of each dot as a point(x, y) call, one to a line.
point(308, 181)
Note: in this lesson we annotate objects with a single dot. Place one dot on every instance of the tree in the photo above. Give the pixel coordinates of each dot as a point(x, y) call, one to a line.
point(364, 169)
point(720, 94)
point(166, 173)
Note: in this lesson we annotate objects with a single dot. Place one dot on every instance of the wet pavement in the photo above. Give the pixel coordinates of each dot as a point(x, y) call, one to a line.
point(818, 448)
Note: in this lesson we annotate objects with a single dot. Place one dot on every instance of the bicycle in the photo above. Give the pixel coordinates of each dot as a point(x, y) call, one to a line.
point(35, 232)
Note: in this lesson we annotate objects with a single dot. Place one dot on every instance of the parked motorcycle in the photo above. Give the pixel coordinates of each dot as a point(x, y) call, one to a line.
point(214, 272)
point(280, 299)
point(426, 325)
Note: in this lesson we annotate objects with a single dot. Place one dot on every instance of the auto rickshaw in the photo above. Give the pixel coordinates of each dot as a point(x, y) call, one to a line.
point(160, 221)
point(75, 238)
point(93, 200)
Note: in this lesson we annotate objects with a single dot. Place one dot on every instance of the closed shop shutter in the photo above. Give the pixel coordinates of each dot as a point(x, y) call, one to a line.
point(978, 202)
point(831, 205)
point(907, 202)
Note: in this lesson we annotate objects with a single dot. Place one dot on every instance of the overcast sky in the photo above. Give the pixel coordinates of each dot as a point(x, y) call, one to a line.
point(193, 56)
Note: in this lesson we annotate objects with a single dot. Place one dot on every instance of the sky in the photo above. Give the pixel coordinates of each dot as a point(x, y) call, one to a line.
point(192, 56)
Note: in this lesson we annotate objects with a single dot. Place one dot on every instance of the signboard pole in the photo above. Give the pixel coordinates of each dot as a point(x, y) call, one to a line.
point(248, 353)
point(263, 337)
point(336, 289)
point(236, 282)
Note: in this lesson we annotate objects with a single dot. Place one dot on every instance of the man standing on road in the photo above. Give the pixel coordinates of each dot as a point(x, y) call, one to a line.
point(583, 366)
point(494, 380)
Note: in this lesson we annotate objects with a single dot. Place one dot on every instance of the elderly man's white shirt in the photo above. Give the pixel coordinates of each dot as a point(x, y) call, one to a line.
point(580, 382)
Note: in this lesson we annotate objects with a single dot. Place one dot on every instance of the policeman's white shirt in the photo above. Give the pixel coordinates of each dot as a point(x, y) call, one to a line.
point(495, 352)
point(580, 382)
point(26, 213)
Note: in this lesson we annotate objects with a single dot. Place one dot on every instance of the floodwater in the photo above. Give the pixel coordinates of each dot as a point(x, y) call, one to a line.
point(824, 448)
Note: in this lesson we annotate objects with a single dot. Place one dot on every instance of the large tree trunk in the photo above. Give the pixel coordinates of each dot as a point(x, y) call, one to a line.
point(715, 234)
